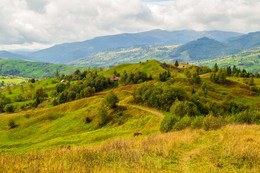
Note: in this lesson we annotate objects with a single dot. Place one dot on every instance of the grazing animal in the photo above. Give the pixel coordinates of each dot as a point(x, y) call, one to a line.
point(68, 147)
point(137, 134)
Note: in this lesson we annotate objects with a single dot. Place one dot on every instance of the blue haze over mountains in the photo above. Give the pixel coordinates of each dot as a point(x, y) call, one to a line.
point(197, 45)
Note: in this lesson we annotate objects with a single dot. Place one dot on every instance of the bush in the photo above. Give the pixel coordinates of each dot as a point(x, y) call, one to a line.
point(168, 122)
point(248, 117)
point(183, 123)
point(197, 122)
point(212, 123)
point(102, 116)
point(111, 100)
point(11, 124)
point(184, 108)
point(88, 120)
point(9, 108)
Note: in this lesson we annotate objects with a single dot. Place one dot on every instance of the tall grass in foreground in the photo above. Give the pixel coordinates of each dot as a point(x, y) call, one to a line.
point(239, 151)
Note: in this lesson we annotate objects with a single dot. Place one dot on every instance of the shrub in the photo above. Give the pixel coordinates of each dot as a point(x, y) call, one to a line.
point(9, 108)
point(88, 120)
point(183, 108)
point(11, 124)
point(102, 116)
point(182, 123)
point(197, 122)
point(212, 123)
point(111, 100)
point(248, 117)
point(168, 122)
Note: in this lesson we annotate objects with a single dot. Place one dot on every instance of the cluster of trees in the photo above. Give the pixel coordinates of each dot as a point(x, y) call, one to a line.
point(159, 96)
point(240, 73)
point(89, 83)
point(193, 74)
point(134, 78)
point(219, 76)
point(164, 76)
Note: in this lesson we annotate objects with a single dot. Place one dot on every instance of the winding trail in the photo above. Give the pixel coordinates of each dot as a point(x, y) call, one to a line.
point(145, 109)
point(188, 156)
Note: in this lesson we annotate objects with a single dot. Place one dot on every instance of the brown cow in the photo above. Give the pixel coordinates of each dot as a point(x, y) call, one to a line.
point(137, 134)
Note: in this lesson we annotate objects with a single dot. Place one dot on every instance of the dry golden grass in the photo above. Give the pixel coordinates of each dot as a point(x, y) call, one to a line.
point(237, 152)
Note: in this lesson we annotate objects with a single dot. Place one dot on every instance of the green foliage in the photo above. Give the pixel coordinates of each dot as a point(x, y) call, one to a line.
point(220, 76)
point(103, 117)
point(204, 88)
point(11, 124)
point(248, 117)
point(159, 96)
point(34, 69)
point(134, 78)
point(183, 123)
point(9, 108)
point(176, 63)
point(197, 122)
point(168, 123)
point(212, 123)
point(111, 100)
point(60, 87)
point(181, 108)
point(164, 76)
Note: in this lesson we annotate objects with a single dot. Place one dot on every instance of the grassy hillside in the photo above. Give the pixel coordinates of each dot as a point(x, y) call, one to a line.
point(249, 60)
point(127, 55)
point(214, 135)
point(149, 67)
point(34, 69)
point(10, 80)
point(204, 48)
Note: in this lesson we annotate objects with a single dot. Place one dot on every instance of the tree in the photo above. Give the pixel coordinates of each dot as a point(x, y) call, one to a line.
point(102, 116)
point(22, 89)
point(9, 108)
point(57, 74)
point(204, 88)
point(111, 100)
point(251, 82)
point(60, 88)
point(176, 63)
point(215, 69)
point(11, 124)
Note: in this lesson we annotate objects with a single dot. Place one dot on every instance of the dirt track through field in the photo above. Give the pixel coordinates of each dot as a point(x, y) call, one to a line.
point(188, 156)
point(147, 110)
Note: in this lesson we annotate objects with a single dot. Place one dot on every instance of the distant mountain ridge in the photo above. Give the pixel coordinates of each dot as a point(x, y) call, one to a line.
point(65, 53)
point(10, 55)
point(247, 41)
point(126, 48)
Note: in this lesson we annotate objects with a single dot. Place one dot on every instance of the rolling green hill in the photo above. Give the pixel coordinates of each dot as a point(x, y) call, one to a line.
point(204, 48)
point(248, 59)
point(184, 128)
point(247, 41)
point(127, 55)
point(34, 69)
point(151, 67)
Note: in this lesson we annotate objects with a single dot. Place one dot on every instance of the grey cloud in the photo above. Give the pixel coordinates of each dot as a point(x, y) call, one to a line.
point(46, 22)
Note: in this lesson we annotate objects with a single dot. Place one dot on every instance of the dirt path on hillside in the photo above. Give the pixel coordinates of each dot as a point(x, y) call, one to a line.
point(188, 156)
point(146, 109)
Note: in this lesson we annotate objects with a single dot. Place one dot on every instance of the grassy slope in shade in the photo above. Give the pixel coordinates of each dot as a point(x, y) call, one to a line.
point(249, 60)
point(127, 55)
point(35, 69)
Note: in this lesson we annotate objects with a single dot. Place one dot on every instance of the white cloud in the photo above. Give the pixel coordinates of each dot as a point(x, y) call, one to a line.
point(32, 24)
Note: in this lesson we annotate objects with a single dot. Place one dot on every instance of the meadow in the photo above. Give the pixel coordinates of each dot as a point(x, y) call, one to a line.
point(69, 137)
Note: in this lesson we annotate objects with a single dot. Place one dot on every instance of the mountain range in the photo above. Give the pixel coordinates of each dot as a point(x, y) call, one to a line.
point(155, 44)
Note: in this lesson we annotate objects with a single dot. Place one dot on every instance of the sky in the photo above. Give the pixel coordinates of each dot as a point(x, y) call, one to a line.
point(38, 24)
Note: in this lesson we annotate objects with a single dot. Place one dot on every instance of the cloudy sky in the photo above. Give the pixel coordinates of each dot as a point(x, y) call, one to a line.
point(35, 24)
